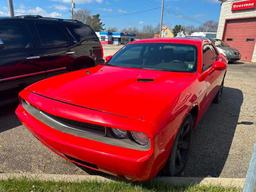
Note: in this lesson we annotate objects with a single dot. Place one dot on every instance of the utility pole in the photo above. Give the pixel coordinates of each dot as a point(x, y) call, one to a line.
point(11, 10)
point(162, 18)
point(72, 8)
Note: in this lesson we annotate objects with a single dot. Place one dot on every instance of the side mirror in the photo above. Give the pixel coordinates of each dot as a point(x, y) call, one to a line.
point(108, 58)
point(219, 65)
point(1, 44)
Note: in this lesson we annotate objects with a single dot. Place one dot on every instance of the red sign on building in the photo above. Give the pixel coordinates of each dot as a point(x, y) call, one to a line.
point(244, 5)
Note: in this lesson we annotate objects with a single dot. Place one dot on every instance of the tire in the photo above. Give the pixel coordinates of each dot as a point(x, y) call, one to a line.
point(218, 97)
point(179, 155)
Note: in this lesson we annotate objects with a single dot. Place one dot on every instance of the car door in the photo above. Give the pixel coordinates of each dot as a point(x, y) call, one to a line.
point(16, 53)
point(53, 47)
point(208, 74)
point(216, 75)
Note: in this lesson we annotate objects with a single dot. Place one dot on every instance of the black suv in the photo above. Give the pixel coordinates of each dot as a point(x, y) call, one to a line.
point(35, 47)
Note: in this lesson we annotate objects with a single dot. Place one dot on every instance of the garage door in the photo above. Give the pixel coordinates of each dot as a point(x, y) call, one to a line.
point(241, 34)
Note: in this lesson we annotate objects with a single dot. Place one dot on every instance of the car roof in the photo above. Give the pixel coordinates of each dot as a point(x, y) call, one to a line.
point(190, 41)
point(38, 17)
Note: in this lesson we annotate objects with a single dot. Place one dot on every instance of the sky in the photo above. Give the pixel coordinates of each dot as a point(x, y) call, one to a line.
point(124, 13)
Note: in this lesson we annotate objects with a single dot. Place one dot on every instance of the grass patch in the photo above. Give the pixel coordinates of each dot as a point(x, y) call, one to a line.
point(93, 186)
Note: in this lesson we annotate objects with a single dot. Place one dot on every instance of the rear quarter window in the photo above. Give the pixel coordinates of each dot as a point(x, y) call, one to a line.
point(52, 35)
point(82, 32)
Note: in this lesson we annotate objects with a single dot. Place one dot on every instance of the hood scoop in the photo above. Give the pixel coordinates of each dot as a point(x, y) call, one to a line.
point(145, 80)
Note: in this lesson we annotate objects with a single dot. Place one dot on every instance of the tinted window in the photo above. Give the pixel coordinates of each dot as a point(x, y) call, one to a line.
point(209, 56)
point(82, 32)
point(15, 36)
point(52, 35)
point(158, 56)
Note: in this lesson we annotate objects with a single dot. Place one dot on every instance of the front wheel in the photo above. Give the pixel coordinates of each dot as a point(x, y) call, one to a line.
point(179, 155)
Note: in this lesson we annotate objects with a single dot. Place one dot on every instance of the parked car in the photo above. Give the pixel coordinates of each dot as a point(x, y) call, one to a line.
point(232, 54)
point(133, 116)
point(209, 35)
point(35, 47)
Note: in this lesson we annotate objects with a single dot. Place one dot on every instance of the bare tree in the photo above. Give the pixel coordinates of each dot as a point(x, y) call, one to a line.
point(82, 15)
point(190, 29)
point(94, 21)
point(130, 30)
point(112, 29)
point(150, 29)
point(209, 26)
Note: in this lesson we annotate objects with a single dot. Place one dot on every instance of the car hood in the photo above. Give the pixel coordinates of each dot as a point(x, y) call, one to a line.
point(137, 93)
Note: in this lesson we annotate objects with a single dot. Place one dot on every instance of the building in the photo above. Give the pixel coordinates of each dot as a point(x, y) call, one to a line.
point(122, 38)
point(105, 37)
point(115, 37)
point(237, 26)
point(167, 32)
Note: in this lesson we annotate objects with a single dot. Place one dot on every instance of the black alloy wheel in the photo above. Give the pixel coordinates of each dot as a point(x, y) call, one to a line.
point(179, 155)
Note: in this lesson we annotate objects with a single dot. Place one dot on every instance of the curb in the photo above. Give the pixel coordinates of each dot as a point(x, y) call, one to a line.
point(250, 182)
point(175, 181)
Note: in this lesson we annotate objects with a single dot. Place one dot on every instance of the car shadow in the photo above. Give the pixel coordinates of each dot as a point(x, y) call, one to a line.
point(8, 104)
point(237, 63)
point(212, 139)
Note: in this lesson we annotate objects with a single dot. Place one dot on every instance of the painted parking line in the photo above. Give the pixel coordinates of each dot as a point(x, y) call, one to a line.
point(250, 182)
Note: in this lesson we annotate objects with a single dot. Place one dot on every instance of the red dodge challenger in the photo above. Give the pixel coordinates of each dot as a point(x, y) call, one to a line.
point(131, 117)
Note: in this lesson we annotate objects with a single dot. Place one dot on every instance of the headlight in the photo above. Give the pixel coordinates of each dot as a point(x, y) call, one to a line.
point(140, 138)
point(120, 134)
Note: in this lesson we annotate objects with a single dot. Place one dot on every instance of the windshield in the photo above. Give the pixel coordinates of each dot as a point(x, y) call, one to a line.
point(157, 56)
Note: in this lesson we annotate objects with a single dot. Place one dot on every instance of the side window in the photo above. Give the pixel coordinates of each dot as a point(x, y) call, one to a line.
point(209, 56)
point(82, 32)
point(15, 36)
point(52, 35)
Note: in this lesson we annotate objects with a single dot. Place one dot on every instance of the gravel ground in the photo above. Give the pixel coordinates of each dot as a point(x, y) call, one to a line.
point(223, 143)
point(221, 147)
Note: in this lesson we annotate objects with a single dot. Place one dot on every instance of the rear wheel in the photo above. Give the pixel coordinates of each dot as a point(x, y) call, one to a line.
point(179, 155)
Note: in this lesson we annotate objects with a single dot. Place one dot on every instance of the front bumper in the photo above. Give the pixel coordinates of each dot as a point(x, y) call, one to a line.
point(132, 164)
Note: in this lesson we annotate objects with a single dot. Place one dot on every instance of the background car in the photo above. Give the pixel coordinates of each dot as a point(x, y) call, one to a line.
point(133, 116)
point(209, 35)
point(35, 47)
point(232, 54)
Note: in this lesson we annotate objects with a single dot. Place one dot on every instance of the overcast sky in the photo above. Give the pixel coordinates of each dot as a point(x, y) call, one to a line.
point(124, 13)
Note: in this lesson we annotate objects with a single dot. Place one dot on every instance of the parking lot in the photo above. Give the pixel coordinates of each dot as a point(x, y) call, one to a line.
point(221, 146)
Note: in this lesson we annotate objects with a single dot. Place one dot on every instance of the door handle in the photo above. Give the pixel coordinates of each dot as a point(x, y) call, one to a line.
point(33, 57)
point(70, 53)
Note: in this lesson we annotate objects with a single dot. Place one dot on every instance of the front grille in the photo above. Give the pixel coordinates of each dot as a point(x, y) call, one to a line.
point(81, 126)
point(80, 129)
